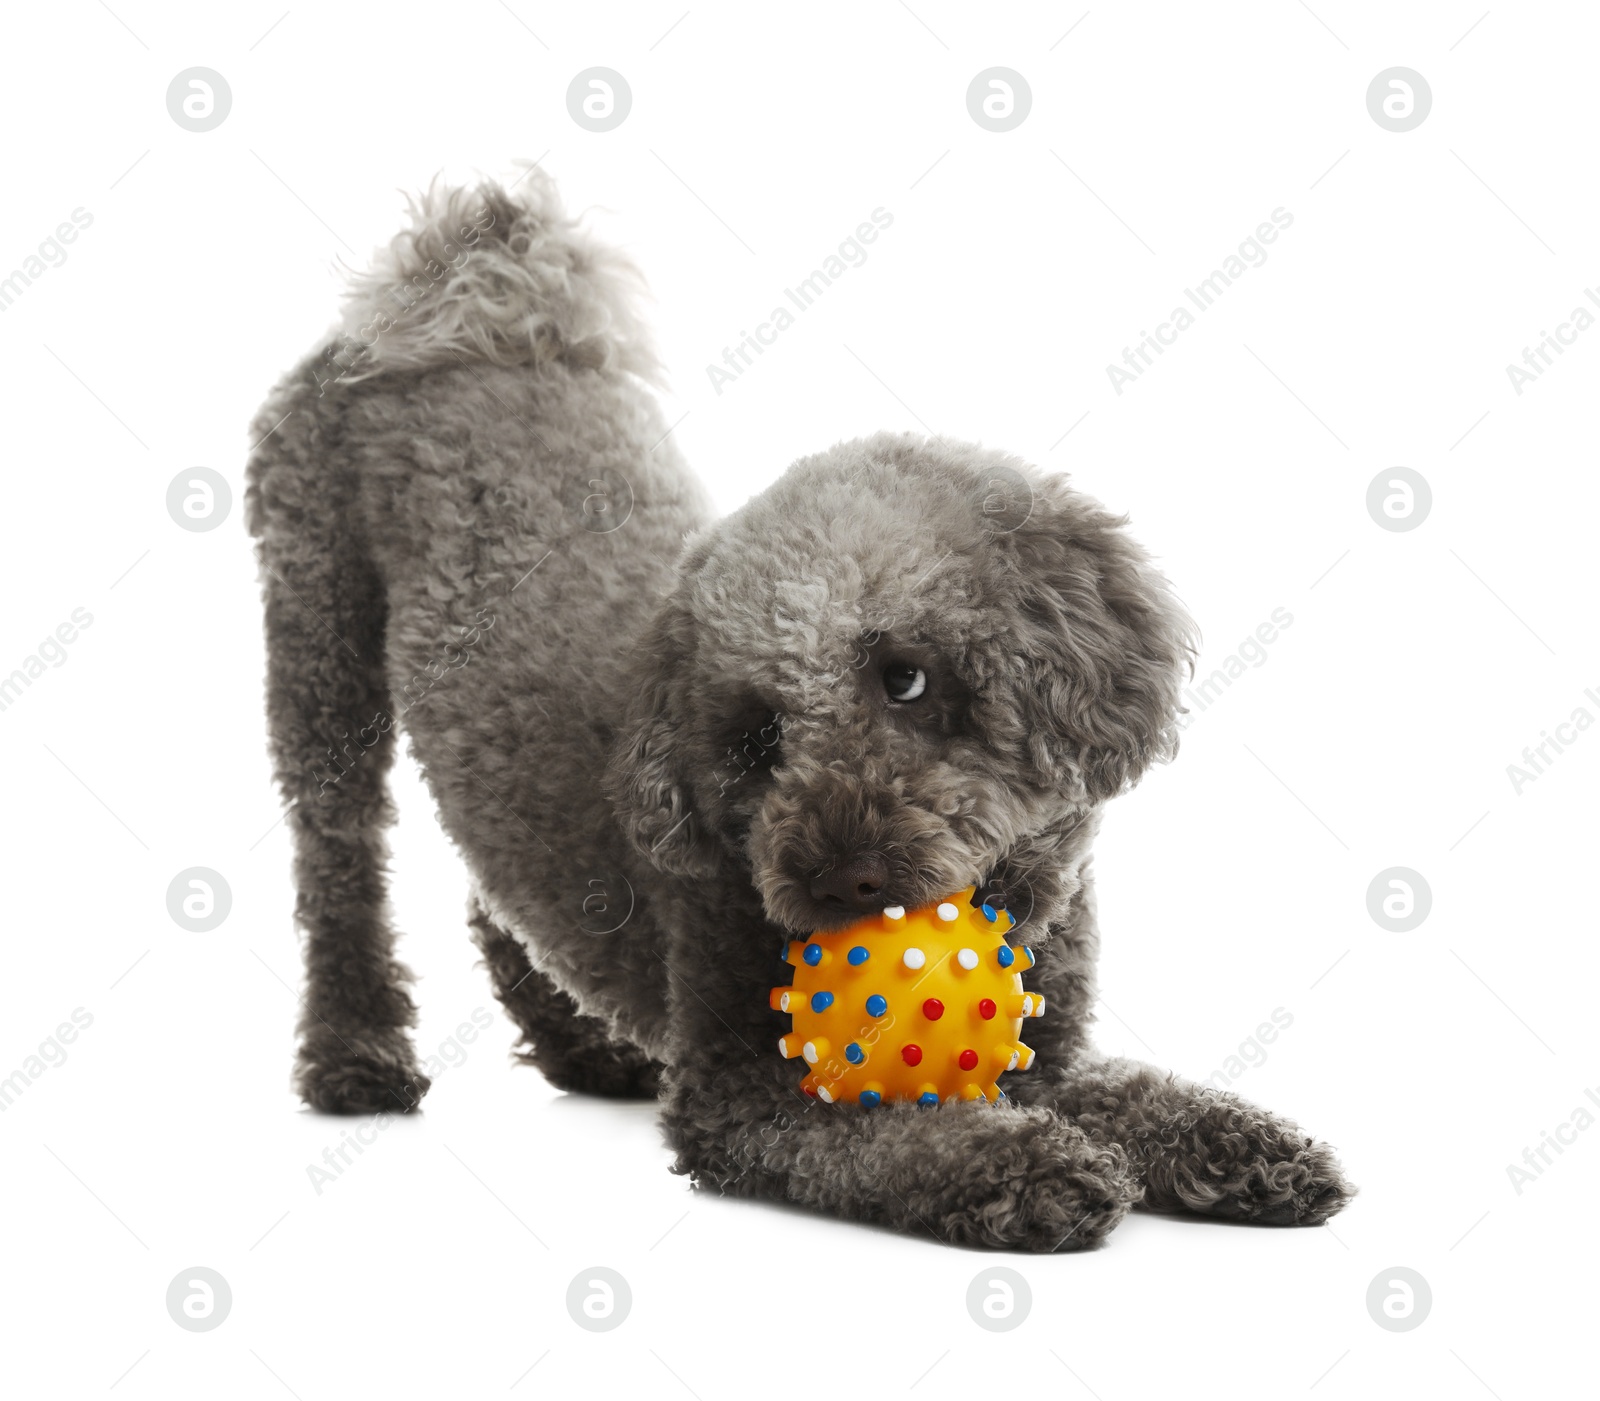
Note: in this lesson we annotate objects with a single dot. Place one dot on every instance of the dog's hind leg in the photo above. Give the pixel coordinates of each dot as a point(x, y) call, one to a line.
point(332, 736)
point(574, 1051)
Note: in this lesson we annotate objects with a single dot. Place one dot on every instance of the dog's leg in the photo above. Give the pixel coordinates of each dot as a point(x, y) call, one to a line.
point(573, 1051)
point(1193, 1149)
point(1199, 1150)
point(332, 742)
point(1001, 1176)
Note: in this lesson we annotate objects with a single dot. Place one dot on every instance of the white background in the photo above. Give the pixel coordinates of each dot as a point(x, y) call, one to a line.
point(1377, 733)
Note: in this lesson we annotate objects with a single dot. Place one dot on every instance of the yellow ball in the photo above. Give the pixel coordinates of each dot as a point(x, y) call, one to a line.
point(925, 1005)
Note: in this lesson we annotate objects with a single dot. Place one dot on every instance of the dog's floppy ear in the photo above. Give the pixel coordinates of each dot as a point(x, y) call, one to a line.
point(1104, 646)
point(648, 776)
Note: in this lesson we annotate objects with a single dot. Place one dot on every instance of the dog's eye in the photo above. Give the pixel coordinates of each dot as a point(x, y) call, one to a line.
point(754, 746)
point(904, 682)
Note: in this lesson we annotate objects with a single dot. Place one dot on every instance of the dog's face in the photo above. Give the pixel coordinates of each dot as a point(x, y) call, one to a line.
point(905, 668)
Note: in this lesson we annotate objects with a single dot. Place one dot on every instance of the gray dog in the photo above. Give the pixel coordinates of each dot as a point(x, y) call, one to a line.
point(665, 743)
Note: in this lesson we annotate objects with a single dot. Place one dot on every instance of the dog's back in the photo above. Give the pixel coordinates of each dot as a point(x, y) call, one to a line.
point(466, 506)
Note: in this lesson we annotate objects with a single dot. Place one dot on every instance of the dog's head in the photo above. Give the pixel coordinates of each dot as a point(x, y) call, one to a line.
point(907, 667)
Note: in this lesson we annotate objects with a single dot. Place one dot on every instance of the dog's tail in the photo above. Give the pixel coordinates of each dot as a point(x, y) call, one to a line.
point(492, 275)
point(498, 275)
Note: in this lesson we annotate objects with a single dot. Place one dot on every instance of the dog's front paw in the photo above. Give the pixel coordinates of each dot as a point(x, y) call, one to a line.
point(1227, 1158)
point(359, 1074)
point(1029, 1182)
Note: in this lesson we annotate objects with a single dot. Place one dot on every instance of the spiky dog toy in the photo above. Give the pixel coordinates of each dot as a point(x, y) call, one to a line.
point(925, 1005)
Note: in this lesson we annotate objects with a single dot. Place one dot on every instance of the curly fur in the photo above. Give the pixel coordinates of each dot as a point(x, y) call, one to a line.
point(541, 288)
point(692, 712)
point(574, 1052)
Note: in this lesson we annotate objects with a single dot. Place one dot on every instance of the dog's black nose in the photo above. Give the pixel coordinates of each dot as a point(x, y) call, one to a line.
point(856, 883)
